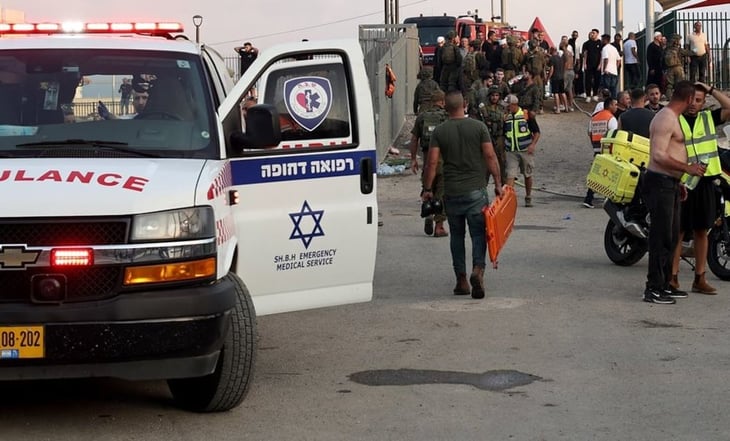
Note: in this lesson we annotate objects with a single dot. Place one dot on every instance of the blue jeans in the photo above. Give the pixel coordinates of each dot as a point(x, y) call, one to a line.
point(610, 82)
point(460, 211)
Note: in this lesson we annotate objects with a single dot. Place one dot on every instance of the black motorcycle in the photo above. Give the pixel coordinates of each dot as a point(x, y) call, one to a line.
point(625, 239)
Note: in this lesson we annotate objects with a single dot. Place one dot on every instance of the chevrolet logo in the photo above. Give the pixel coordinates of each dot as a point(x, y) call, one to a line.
point(17, 256)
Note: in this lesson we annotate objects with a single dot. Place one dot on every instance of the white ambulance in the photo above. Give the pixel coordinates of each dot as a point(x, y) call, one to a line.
point(140, 208)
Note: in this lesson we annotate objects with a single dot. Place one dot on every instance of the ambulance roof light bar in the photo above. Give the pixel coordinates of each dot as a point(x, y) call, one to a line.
point(154, 28)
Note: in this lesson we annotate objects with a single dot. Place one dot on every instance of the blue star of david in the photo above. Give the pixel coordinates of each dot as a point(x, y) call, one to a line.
point(312, 100)
point(296, 218)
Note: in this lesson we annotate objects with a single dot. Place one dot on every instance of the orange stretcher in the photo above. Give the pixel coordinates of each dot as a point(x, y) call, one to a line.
point(499, 218)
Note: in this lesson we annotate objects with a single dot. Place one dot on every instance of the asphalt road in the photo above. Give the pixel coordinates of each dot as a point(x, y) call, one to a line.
point(562, 348)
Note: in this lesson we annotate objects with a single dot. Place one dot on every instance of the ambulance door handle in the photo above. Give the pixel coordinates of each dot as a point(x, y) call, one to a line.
point(367, 176)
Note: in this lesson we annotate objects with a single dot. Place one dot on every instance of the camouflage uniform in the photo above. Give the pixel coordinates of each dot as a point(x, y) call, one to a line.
point(424, 89)
point(534, 63)
point(493, 117)
point(511, 59)
point(530, 98)
point(423, 128)
point(674, 58)
point(449, 77)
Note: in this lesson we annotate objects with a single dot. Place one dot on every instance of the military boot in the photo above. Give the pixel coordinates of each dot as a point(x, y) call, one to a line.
point(462, 285)
point(701, 286)
point(477, 282)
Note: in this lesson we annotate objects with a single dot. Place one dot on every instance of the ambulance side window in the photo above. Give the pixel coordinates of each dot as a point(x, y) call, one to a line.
point(312, 98)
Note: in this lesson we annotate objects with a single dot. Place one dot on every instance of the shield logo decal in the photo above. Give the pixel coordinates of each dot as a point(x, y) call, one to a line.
point(308, 100)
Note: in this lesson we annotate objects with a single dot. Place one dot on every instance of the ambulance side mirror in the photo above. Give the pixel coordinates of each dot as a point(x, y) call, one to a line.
point(262, 129)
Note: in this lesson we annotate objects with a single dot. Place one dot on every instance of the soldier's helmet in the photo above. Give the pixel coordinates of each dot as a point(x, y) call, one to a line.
point(425, 74)
point(675, 38)
point(494, 89)
point(450, 36)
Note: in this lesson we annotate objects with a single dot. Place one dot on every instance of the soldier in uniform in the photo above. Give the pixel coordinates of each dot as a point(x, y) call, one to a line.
point(511, 59)
point(534, 63)
point(424, 89)
point(423, 128)
point(450, 61)
point(674, 58)
point(492, 113)
point(530, 96)
point(479, 93)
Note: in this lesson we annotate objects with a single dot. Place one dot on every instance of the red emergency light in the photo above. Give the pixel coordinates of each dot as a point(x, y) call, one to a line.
point(90, 28)
point(68, 257)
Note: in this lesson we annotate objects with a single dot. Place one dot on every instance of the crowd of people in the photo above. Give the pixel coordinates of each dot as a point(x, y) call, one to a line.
point(502, 84)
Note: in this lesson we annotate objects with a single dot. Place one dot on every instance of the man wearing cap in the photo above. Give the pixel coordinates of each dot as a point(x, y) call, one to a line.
point(248, 54)
point(440, 41)
point(424, 89)
point(654, 56)
point(521, 134)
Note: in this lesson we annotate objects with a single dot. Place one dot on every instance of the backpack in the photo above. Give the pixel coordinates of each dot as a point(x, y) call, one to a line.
point(431, 119)
point(448, 54)
point(470, 67)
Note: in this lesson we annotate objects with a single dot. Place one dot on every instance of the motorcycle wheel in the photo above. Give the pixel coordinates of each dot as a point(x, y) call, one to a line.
point(622, 248)
point(718, 254)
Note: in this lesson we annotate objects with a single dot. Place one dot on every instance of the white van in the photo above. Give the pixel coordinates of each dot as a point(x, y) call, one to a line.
point(139, 239)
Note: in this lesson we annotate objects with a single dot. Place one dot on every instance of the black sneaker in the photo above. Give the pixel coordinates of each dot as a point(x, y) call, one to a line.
point(588, 204)
point(675, 293)
point(653, 296)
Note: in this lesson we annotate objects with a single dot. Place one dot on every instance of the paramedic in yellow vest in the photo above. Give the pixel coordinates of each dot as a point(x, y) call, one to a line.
point(699, 211)
point(601, 122)
point(520, 141)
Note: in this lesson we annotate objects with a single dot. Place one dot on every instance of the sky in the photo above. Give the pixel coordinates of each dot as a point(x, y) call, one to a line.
point(228, 23)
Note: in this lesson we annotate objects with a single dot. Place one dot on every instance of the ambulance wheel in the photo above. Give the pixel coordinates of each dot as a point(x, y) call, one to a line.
point(718, 254)
point(622, 248)
point(228, 385)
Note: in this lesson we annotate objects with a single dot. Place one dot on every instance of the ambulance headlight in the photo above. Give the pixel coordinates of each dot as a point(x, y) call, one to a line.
point(188, 223)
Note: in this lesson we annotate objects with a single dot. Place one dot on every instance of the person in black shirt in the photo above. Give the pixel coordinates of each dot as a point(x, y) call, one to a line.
point(591, 53)
point(654, 56)
point(637, 118)
point(248, 54)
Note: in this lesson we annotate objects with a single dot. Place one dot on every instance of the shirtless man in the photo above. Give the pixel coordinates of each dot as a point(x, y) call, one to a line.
point(662, 193)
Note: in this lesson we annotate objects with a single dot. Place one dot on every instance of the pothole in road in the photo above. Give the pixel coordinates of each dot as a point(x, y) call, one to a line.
point(488, 304)
point(495, 381)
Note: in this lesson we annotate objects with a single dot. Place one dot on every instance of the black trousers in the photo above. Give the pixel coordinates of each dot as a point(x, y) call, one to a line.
point(661, 194)
point(593, 80)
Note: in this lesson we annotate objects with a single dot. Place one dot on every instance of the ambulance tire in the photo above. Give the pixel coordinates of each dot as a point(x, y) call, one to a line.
point(718, 253)
point(621, 247)
point(228, 385)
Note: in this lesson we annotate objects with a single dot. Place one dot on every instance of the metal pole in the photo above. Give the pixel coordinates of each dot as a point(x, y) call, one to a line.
point(385, 11)
point(503, 11)
point(620, 30)
point(607, 17)
point(649, 29)
point(397, 12)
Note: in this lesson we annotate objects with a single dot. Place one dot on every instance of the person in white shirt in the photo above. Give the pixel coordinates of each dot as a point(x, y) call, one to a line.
point(699, 54)
point(631, 63)
point(610, 61)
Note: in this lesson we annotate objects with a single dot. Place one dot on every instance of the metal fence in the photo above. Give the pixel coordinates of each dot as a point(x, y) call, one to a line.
point(714, 25)
point(396, 45)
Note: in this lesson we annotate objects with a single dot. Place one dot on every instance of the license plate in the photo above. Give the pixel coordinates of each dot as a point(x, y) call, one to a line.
point(22, 342)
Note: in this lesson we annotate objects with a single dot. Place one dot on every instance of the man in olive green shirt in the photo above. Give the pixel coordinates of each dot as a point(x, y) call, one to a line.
point(468, 155)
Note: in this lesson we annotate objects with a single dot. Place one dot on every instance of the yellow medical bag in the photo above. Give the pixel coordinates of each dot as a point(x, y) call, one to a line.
point(627, 146)
point(613, 177)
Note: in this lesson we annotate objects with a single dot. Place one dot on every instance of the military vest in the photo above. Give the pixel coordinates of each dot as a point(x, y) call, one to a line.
point(493, 116)
point(431, 119)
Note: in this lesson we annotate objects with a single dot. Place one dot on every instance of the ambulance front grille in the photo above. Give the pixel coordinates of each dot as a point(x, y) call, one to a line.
point(58, 232)
point(81, 284)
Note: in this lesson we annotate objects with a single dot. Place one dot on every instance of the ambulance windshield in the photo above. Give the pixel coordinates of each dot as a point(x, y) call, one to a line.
point(156, 103)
